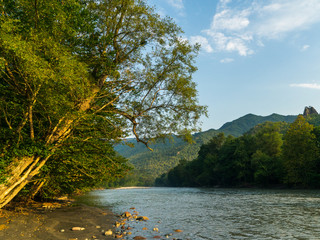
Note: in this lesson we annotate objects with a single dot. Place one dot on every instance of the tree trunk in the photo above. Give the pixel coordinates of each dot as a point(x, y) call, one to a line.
point(36, 188)
point(21, 170)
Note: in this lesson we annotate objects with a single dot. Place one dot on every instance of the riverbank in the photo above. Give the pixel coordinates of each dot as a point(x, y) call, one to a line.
point(53, 221)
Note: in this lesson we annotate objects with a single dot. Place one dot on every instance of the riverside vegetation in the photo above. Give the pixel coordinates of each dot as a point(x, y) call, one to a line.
point(78, 76)
point(167, 154)
point(270, 154)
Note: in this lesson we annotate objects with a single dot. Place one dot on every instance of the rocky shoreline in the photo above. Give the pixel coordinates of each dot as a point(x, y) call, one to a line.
point(53, 221)
point(68, 221)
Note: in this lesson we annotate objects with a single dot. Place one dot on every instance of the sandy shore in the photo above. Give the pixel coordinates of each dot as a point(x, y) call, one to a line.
point(55, 224)
point(124, 188)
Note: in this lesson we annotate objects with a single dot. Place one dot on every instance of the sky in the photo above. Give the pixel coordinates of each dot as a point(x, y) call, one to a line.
point(257, 56)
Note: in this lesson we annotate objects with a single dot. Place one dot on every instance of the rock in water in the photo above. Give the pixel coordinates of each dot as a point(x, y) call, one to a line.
point(126, 215)
point(139, 238)
point(142, 218)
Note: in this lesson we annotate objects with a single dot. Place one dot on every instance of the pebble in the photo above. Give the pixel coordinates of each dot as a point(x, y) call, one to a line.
point(178, 230)
point(142, 218)
point(77, 229)
point(126, 214)
point(108, 233)
point(98, 226)
point(62, 230)
point(139, 238)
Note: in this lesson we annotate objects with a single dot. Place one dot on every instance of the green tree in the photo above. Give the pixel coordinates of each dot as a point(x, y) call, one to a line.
point(68, 65)
point(266, 161)
point(207, 161)
point(300, 152)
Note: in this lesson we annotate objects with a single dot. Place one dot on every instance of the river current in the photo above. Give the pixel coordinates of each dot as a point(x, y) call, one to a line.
point(217, 213)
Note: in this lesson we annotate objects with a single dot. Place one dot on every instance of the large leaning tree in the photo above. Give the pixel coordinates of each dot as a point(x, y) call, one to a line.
point(81, 73)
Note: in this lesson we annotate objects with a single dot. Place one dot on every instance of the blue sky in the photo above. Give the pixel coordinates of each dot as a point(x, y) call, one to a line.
point(257, 56)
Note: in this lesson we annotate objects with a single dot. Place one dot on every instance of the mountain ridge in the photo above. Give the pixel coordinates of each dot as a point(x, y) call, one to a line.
point(167, 154)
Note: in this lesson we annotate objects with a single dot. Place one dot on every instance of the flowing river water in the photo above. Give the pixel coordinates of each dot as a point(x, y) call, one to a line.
point(216, 213)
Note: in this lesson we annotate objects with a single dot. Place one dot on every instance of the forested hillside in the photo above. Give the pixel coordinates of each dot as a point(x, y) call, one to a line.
point(270, 154)
point(166, 154)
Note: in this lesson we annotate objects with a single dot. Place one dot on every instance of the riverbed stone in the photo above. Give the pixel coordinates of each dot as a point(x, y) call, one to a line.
point(77, 228)
point(126, 215)
point(142, 218)
point(108, 233)
point(139, 238)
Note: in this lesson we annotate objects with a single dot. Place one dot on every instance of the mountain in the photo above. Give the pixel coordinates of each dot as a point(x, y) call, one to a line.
point(167, 154)
point(243, 124)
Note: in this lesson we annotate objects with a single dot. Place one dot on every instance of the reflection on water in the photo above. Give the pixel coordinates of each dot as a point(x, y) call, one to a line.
point(218, 213)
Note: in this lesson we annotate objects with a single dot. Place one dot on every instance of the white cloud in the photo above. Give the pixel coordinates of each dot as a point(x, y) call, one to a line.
point(228, 20)
point(176, 4)
point(203, 42)
point(284, 16)
point(227, 60)
point(230, 43)
point(305, 48)
point(241, 26)
point(306, 85)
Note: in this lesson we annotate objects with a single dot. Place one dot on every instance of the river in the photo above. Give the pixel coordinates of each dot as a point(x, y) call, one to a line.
point(217, 213)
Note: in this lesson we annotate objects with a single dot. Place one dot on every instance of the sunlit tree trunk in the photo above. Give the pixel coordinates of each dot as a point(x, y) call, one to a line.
point(21, 172)
point(23, 169)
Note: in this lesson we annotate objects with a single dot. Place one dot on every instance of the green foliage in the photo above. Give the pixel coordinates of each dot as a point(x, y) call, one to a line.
point(267, 161)
point(167, 154)
point(265, 157)
point(86, 161)
point(301, 153)
point(247, 122)
point(77, 76)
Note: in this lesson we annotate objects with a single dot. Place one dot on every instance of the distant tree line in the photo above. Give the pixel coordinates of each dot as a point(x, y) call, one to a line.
point(271, 154)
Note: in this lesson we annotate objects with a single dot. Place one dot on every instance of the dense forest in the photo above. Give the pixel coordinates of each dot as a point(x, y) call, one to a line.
point(77, 77)
point(148, 165)
point(270, 154)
